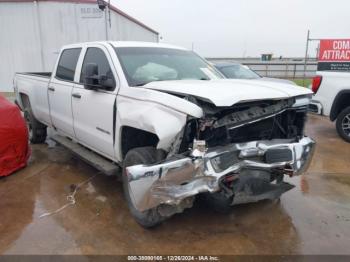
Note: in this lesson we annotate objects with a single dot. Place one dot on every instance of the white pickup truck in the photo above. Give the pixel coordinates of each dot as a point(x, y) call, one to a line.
point(173, 124)
point(332, 99)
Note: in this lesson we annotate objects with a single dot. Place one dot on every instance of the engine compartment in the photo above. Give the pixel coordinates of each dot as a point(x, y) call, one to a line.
point(245, 122)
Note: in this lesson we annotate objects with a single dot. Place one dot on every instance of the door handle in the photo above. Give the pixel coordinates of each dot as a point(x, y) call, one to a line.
point(76, 95)
point(51, 88)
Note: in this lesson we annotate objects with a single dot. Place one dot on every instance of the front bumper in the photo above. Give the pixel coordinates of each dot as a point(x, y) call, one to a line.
point(174, 180)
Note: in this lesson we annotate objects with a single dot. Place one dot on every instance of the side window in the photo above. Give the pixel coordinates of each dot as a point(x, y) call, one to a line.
point(67, 64)
point(97, 56)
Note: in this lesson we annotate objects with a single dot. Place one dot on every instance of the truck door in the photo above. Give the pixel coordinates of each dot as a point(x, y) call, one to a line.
point(60, 92)
point(94, 111)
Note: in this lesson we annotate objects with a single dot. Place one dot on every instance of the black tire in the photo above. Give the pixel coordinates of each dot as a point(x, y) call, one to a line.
point(143, 155)
point(218, 202)
point(37, 131)
point(343, 124)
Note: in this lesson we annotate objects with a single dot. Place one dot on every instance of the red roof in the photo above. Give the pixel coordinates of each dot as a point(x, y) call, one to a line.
point(113, 8)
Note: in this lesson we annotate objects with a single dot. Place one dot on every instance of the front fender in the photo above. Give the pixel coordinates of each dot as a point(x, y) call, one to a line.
point(150, 116)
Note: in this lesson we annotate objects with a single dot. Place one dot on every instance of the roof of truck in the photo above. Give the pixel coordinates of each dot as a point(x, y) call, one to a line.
point(112, 7)
point(125, 44)
point(143, 44)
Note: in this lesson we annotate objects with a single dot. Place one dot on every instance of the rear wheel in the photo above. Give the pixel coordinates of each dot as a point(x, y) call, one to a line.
point(136, 156)
point(37, 131)
point(343, 124)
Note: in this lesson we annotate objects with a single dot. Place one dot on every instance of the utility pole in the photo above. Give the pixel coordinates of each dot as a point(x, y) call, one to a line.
point(109, 13)
point(106, 24)
point(306, 52)
point(108, 19)
point(38, 26)
point(102, 4)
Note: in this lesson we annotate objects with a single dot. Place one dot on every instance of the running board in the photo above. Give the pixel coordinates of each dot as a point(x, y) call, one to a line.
point(100, 163)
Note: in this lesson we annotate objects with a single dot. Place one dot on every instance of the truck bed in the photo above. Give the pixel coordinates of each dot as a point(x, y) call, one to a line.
point(34, 86)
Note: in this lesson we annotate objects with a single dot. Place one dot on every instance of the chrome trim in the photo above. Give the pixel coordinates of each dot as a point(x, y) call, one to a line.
point(318, 105)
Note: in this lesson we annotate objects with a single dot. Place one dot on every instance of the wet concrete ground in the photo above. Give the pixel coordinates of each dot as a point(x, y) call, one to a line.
point(312, 218)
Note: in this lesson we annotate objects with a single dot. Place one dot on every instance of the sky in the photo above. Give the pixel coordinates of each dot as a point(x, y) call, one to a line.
point(242, 28)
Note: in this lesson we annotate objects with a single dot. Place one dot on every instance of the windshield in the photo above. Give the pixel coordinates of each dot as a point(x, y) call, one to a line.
point(239, 72)
point(142, 65)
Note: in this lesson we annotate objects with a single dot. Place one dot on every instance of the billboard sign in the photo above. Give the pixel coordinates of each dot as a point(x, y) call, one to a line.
point(334, 55)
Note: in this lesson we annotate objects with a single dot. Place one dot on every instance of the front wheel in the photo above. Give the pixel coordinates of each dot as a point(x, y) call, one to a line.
point(343, 124)
point(136, 156)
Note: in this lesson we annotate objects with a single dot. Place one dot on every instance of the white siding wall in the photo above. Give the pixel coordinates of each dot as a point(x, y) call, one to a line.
point(32, 34)
point(123, 29)
point(19, 45)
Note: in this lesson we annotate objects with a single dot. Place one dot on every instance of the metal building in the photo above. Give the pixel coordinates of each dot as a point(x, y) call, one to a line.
point(32, 32)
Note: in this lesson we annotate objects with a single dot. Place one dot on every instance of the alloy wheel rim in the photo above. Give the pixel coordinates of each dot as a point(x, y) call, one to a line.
point(346, 124)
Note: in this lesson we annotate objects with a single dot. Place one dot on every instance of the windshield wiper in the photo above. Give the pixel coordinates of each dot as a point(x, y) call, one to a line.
point(145, 83)
point(142, 84)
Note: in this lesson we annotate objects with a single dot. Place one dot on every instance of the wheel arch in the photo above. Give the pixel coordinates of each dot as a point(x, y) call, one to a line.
point(24, 100)
point(341, 101)
point(131, 137)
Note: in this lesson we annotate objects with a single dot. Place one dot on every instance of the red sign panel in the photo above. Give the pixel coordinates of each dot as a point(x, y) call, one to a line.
point(334, 50)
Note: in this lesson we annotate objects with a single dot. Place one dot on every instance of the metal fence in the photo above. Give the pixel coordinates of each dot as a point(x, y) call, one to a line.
point(281, 69)
point(284, 70)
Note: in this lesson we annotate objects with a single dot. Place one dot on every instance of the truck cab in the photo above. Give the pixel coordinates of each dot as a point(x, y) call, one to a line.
point(66, 96)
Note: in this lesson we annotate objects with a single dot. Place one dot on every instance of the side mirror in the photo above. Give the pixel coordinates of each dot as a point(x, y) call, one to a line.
point(107, 82)
point(94, 81)
point(91, 78)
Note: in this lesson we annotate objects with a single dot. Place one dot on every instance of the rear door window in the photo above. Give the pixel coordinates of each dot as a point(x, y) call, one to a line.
point(67, 64)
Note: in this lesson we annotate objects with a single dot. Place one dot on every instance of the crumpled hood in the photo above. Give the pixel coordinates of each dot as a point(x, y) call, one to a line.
point(227, 92)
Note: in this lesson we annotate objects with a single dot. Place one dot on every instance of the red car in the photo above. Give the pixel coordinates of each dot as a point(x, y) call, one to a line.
point(14, 148)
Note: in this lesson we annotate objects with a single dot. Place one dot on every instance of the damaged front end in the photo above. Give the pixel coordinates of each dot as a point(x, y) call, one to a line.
point(243, 152)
